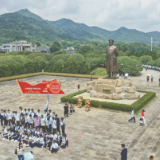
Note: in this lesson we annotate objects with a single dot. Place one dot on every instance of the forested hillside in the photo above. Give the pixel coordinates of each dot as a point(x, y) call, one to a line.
point(24, 25)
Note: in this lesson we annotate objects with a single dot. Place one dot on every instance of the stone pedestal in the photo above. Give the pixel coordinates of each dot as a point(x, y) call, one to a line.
point(115, 89)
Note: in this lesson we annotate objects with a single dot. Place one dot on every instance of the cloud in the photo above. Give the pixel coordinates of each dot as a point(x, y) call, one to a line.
point(111, 14)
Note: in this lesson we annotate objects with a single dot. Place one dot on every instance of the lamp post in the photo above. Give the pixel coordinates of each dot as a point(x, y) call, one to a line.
point(151, 43)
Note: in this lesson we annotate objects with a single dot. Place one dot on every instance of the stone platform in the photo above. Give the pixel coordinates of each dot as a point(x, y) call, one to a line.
point(115, 89)
point(121, 101)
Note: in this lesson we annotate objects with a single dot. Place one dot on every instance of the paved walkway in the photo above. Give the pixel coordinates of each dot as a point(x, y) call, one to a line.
point(94, 135)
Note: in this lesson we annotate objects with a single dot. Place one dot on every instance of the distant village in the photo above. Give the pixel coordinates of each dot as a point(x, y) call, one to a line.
point(20, 46)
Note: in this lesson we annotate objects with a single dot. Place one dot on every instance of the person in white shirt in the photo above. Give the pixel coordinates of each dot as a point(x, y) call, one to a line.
point(4, 131)
point(65, 142)
point(49, 115)
point(35, 141)
point(132, 116)
point(54, 125)
point(29, 112)
point(38, 113)
point(25, 111)
point(53, 115)
point(27, 120)
point(43, 123)
point(45, 114)
point(59, 138)
point(41, 142)
point(32, 113)
point(31, 120)
point(20, 152)
point(17, 118)
point(21, 110)
point(54, 147)
point(29, 156)
point(9, 117)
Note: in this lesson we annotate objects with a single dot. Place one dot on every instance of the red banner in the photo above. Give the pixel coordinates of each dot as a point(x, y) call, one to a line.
point(46, 87)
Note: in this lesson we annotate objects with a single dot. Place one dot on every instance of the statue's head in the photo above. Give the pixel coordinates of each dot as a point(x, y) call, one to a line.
point(111, 41)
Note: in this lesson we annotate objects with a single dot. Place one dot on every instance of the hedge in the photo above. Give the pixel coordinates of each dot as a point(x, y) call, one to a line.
point(20, 76)
point(139, 104)
point(47, 73)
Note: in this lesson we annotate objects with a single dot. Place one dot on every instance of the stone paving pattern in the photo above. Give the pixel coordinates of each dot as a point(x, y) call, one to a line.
point(103, 130)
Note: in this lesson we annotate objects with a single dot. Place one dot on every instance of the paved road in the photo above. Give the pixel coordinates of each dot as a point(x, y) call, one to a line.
point(95, 135)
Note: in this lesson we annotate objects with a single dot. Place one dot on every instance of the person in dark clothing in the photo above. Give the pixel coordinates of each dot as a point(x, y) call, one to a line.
point(123, 152)
point(63, 126)
point(2, 117)
point(58, 123)
point(66, 110)
point(71, 109)
point(151, 158)
point(22, 119)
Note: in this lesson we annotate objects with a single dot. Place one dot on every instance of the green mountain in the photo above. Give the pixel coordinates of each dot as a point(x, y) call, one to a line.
point(14, 26)
point(25, 25)
point(27, 13)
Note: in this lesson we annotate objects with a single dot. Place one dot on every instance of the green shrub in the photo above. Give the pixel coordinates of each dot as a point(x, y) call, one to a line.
point(99, 72)
point(139, 104)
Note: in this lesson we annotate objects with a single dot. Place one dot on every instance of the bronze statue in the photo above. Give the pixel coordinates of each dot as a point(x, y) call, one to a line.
point(112, 53)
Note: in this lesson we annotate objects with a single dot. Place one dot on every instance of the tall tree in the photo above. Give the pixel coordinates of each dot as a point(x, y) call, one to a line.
point(56, 46)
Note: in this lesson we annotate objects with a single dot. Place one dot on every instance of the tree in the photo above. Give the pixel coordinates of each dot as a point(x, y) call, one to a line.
point(157, 63)
point(63, 57)
point(38, 44)
point(49, 67)
point(85, 49)
point(4, 71)
point(58, 66)
point(29, 67)
point(93, 63)
point(77, 57)
point(82, 67)
point(145, 59)
point(70, 66)
point(129, 65)
point(55, 47)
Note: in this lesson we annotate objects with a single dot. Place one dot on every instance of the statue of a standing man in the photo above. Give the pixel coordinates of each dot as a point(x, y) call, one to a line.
point(112, 53)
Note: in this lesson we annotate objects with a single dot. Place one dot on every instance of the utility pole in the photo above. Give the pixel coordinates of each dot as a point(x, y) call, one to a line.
point(151, 43)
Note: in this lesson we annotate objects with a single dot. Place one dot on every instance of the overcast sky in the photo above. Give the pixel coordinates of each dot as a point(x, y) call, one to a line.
point(143, 15)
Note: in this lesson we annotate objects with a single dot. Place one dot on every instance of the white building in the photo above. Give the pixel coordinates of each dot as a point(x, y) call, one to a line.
point(68, 49)
point(18, 46)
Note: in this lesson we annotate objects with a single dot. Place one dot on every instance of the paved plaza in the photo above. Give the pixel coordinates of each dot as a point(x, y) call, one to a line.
point(94, 135)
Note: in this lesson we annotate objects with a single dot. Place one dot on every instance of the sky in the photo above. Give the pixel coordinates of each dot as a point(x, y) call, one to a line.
point(142, 15)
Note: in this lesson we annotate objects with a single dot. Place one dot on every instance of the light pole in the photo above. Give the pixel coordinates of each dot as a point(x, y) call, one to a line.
point(151, 43)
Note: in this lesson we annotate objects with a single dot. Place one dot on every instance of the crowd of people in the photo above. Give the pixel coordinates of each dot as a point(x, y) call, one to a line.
point(34, 129)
